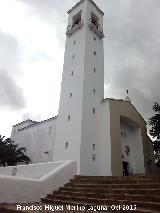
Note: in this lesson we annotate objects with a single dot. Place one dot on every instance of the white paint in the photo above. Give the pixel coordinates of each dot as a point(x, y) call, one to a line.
point(29, 189)
point(83, 130)
point(133, 140)
point(100, 129)
point(38, 139)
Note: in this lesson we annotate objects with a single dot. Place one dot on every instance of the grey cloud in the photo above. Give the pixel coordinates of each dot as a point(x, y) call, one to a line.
point(131, 45)
point(132, 51)
point(11, 95)
point(36, 117)
point(52, 12)
point(9, 53)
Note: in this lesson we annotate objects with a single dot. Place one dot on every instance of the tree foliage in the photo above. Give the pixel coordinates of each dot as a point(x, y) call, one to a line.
point(11, 154)
point(154, 121)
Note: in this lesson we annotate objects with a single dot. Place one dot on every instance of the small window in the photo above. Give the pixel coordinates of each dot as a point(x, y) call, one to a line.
point(66, 145)
point(72, 73)
point(74, 42)
point(94, 70)
point(93, 157)
point(94, 146)
point(93, 110)
point(94, 38)
point(94, 52)
point(70, 95)
point(73, 56)
point(94, 91)
point(69, 117)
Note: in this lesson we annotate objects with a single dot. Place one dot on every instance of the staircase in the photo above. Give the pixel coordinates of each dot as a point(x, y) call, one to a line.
point(115, 194)
point(138, 194)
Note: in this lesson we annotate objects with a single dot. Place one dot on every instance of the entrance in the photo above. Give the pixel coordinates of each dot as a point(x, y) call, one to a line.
point(125, 168)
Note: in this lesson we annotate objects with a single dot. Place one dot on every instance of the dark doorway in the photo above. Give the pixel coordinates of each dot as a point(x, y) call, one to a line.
point(125, 168)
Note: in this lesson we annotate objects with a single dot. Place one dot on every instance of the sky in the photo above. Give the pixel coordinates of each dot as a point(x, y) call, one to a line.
point(32, 42)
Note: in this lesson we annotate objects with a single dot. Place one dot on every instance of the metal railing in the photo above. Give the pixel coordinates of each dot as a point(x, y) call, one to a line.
point(74, 27)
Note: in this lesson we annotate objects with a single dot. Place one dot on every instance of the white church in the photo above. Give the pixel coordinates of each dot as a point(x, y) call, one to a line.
point(104, 136)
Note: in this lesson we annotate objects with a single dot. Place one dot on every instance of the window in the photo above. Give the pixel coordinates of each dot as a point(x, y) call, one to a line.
point(123, 134)
point(74, 42)
point(76, 19)
point(94, 91)
point(66, 145)
point(94, 52)
point(70, 95)
point(93, 110)
point(73, 56)
point(69, 117)
point(72, 73)
point(93, 157)
point(94, 20)
point(95, 38)
point(94, 70)
point(93, 146)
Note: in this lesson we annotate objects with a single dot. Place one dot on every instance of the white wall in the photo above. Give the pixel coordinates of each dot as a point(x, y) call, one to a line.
point(70, 131)
point(92, 124)
point(21, 125)
point(98, 133)
point(133, 139)
point(38, 139)
point(35, 171)
point(82, 131)
point(138, 152)
point(19, 189)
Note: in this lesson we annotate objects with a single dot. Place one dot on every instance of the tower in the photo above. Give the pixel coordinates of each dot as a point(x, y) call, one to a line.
point(82, 88)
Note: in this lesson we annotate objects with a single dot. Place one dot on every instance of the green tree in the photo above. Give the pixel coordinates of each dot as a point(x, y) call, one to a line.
point(154, 121)
point(11, 154)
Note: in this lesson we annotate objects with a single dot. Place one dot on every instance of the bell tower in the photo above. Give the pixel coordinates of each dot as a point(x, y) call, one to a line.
point(82, 87)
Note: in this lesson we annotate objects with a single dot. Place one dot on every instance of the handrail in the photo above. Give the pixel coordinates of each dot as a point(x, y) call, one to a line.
point(74, 27)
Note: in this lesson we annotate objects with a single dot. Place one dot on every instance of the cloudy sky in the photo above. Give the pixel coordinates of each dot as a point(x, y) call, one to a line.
point(32, 39)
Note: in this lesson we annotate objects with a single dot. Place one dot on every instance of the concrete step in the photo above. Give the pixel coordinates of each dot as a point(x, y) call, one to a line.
point(150, 206)
point(114, 181)
point(111, 191)
point(150, 177)
point(114, 186)
point(130, 197)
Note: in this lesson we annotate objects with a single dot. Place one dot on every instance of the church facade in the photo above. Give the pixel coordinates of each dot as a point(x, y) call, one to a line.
point(104, 136)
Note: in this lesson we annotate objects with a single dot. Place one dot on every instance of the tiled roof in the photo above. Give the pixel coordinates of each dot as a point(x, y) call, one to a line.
point(38, 123)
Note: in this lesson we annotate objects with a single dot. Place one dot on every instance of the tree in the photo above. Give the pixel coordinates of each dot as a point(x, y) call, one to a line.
point(154, 121)
point(11, 154)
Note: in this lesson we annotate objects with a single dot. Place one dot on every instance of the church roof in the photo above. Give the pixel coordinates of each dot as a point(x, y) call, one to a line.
point(28, 120)
point(121, 100)
point(37, 123)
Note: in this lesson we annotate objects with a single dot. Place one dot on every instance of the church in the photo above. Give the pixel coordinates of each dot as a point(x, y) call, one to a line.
point(106, 137)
